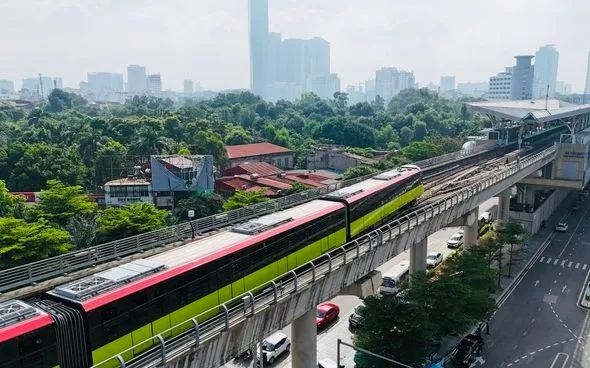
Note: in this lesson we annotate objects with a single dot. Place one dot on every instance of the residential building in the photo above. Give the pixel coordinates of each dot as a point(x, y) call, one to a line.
point(587, 87)
point(559, 87)
point(390, 81)
point(121, 192)
point(473, 89)
point(58, 83)
point(370, 89)
point(500, 85)
point(522, 78)
point(447, 83)
point(258, 34)
point(103, 82)
point(154, 84)
point(273, 180)
point(283, 91)
point(260, 152)
point(545, 72)
point(32, 87)
point(325, 86)
point(136, 79)
point(189, 87)
point(6, 87)
point(432, 87)
point(356, 94)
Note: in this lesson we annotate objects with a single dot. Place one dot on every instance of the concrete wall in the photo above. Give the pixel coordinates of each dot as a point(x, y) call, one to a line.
point(532, 221)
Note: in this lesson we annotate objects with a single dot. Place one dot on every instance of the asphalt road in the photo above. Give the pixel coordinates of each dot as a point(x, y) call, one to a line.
point(327, 339)
point(540, 324)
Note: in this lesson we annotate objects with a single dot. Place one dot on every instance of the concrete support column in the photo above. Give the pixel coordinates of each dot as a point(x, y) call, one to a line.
point(470, 228)
point(529, 196)
point(304, 341)
point(503, 207)
point(418, 254)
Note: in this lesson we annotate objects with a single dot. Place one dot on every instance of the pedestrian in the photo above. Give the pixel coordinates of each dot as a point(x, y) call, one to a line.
point(478, 331)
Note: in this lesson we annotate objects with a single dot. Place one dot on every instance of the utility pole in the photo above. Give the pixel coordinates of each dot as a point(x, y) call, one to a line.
point(41, 87)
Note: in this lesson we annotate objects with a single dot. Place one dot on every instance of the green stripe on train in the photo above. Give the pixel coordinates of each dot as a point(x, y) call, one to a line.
point(378, 214)
point(212, 300)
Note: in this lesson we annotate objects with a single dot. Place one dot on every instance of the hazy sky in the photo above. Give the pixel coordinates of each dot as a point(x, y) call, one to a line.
point(207, 40)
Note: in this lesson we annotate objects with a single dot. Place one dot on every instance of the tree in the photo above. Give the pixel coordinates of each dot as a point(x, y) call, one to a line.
point(400, 331)
point(419, 130)
point(82, 227)
point(204, 204)
point(58, 203)
point(511, 233)
point(406, 135)
point(242, 198)
point(417, 151)
point(362, 170)
point(296, 187)
point(23, 242)
point(238, 136)
point(465, 112)
point(59, 100)
point(137, 218)
point(10, 205)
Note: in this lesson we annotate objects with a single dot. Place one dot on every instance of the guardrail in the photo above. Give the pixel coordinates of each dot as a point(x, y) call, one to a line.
point(240, 308)
point(48, 268)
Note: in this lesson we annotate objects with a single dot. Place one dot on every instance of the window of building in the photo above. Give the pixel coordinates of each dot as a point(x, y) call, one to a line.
point(129, 191)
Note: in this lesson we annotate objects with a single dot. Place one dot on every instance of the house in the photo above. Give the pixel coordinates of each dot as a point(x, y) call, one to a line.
point(260, 152)
point(120, 192)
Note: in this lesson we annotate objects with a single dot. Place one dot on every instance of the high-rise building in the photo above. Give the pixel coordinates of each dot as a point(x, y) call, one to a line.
point(587, 87)
point(370, 89)
point(559, 85)
point(447, 83)
point(58, 82)
point(472, 89)
point(136, 79)
point(293, 61)
point(35, 88)
point(500, 85)
point(545, 74)
point(390, 81)
point(103, 83)
point(258, 33)
point(189, 87)
point(317, 58)
point(326, 85)
point(274, 57)
point(522, 78)
point(6, 87)
point(154, 84)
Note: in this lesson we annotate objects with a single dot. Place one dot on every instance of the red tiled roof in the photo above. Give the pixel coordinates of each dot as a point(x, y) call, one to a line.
point(255, 149)
point(260, 168)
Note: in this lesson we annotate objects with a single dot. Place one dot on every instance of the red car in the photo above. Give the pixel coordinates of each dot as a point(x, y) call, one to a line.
point(327, 312)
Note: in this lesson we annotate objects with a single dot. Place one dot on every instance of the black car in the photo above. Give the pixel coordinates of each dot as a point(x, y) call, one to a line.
point(467, 350)
point(355, 319)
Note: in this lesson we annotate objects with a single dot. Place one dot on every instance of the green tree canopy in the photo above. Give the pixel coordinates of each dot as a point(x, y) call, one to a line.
point(137, 218)
point(417, 151)
point(58, 203)
point(204, 204)
point(10, 205)
point(23, 242)
point(242, 198)
point(362, 170)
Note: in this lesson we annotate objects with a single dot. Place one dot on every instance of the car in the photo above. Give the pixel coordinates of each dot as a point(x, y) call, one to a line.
point(355, 320)
point(467, 350)
point(455, 241)
point(461, 231)
point(274, 346)
point(561, 227)
point(433, 259)
point(326, 313)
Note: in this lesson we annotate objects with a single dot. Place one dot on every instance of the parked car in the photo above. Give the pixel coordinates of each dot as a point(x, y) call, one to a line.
point(433, 259)
point(465, 352)
point(274, 346)
point(455, 241)
point(561, 227)
point(327, 312)
point(355, 320)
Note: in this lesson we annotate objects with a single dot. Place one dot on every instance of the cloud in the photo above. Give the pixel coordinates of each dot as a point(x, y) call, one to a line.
point(207, 40)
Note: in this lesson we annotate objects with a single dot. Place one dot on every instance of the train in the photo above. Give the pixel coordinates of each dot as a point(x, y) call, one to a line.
point(89, 320)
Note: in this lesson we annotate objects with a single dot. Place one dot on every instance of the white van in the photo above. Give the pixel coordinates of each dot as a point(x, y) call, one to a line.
point(393, 279)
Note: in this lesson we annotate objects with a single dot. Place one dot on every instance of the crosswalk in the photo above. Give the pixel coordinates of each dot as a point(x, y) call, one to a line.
point(565, 263)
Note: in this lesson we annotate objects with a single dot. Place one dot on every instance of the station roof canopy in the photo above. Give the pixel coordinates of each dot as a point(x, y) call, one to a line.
point(538, 110)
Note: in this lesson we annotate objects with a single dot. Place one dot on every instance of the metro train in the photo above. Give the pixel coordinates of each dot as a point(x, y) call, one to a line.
point(89, 320)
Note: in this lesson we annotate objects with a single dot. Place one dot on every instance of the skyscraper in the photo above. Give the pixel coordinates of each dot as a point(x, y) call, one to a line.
point(546, 60)
point(136, 79)
point(587, 88)
point(6, 86)
point(293, 61)
point(447, 83)
point(274, 57)
point(317, 58)
point(390, 81)
point(103, 83)
point(500, 85)
point(189, 87)
point(522, 78)
point(154, 84)
point(258, 33)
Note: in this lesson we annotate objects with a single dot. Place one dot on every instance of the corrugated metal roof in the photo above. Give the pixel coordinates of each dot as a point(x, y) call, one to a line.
point(255, 149)
point(538, 110)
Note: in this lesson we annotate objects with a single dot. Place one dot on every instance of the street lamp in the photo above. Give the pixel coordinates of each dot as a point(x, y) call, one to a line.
point(339, 342)
point(191, 214)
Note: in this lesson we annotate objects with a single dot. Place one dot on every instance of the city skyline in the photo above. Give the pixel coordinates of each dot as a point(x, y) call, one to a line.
point(208, 41)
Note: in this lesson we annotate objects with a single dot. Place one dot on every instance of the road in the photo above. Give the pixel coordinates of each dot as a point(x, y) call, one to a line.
point(540, 324)
point(327, 338)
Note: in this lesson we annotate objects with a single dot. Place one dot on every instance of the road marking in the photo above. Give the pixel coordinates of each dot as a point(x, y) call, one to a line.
point(578, 265)
point(548, 260)
point(542, 259)
point(533, 320)
point(560, 356)
point(574, 232)
point(563, 288)
point(515, 347)
point(536, 283)
point(556, 260)
point(555, 281)
point(570, 264)
point(562, 263)
point(584, 267)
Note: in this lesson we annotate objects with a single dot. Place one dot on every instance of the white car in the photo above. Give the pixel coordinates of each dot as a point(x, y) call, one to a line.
point(433, 259)
point(274, 346)
point(455, 241)
point(561, 227)
point(461, 231)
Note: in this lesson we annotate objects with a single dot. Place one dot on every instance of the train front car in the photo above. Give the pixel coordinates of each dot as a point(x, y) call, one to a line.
point(129, 304)
point(27, 336)
point(374, 201)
